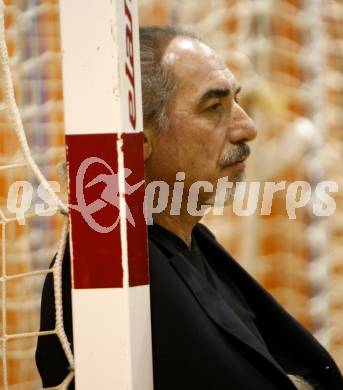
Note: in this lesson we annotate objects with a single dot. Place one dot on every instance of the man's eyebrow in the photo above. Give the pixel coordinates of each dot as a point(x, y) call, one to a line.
point(216, 93)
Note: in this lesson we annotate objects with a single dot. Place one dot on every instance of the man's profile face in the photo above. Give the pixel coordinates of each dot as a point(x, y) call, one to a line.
point(207, 127)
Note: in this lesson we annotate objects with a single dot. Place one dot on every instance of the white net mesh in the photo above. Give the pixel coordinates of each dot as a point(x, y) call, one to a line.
point(25, 255)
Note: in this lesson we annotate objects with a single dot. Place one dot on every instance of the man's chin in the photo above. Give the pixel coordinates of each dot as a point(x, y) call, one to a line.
point(229, 193)
point(228, 198)
point(239, 176)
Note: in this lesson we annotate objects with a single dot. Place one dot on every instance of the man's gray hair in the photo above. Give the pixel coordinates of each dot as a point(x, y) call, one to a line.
point(158, 83)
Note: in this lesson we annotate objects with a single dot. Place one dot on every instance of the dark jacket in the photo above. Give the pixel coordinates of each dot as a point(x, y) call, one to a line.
point(198, 341)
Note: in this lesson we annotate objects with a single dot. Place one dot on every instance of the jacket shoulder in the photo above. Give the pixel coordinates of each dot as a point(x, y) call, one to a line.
point(204, 230)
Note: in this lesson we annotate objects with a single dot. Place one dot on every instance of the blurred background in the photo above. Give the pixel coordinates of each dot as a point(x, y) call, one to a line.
point(288, 57)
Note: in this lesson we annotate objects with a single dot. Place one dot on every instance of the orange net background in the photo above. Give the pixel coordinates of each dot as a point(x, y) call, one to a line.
point(271, 48)
point(32, 37)
point(268, 45)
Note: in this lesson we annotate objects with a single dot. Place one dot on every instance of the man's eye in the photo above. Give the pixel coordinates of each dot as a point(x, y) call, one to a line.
point(215, 107)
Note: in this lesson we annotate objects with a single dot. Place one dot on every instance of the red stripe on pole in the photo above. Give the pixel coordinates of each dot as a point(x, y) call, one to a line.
point(137, 234)
point(97, 259)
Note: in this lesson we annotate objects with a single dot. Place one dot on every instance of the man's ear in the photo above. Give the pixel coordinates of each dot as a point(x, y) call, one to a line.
point(147, 146)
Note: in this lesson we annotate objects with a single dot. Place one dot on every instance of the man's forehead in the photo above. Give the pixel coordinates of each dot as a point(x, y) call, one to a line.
point(182, 47)
point(193, 62)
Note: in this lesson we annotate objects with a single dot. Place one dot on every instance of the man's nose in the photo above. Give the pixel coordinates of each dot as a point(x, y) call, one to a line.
point(242, 128)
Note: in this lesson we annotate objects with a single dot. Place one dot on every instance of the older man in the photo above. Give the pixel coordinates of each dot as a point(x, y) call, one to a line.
point(213, 326)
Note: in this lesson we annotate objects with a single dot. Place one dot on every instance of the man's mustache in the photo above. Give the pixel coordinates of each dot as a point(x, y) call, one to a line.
point(239, 153)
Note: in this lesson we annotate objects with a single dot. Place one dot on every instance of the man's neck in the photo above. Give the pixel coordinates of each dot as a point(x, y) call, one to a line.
point(181, 226)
